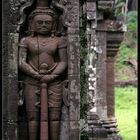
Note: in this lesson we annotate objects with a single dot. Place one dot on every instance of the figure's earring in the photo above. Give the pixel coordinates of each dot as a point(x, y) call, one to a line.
point(32, 33)
point(52, 33)
point(53, 30)
point(31, 29)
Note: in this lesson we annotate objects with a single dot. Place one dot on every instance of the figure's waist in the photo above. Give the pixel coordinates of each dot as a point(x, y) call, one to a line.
point(32, 81)
point(43, 68)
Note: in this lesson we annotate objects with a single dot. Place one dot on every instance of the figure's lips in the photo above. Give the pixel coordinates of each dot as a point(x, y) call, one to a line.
point(44, 29)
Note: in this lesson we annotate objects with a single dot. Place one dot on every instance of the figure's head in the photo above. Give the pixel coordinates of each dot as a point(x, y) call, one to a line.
point(41, 21)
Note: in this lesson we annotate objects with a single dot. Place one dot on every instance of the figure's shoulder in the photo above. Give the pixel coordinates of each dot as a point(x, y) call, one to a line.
point(62, 42)
point(25, 41)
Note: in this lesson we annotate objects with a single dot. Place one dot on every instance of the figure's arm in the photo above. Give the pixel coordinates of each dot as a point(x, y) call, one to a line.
point(23, 65)
point(62, 64)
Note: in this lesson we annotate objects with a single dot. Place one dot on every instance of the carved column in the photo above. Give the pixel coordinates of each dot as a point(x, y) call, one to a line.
point(96, 91)
point(109, 34)
point(74, 71)
point(114, 38)
point(70, 121)
point(9, 73)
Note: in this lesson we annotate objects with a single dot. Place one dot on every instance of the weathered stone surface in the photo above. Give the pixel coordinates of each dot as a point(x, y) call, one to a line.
point(73, 71)
point(74, 97)
point(110, 88)
point(12, 130)
point(74, 130)
point(105, 5)
point(12, 95)
point(22, 125)
point(74, 13)
point(65, 113)
point(9, 74)
point(73, 55)
point(64, 133)
point(101, 76)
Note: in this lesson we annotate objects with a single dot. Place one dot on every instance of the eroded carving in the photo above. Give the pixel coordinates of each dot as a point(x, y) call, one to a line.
point(43, 59)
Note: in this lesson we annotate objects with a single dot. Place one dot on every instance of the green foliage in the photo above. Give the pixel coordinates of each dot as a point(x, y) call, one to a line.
point(128, 48)
point(124, 54)
point(132, 26)
point(84, 135)
point(82, 1)
point(118, 8)
point(83, 75)
point(132, 21)
point(83, 58)
point(126, 111)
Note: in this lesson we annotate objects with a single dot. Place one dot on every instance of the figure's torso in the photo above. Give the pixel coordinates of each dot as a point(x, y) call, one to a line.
point(42, 50)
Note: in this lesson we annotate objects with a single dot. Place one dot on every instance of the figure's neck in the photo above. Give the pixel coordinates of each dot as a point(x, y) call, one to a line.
point(43, 35)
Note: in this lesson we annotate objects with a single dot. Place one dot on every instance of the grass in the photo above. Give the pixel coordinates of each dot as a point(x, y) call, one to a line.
point(126, 112)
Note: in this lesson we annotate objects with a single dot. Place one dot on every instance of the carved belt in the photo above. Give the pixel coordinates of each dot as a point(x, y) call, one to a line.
point(43, 69)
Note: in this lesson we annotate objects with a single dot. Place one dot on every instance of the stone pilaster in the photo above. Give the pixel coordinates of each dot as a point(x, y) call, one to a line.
point(109, 34)
point(114, 38)
point(96, 103)
point(73, 71)
point(9, 73)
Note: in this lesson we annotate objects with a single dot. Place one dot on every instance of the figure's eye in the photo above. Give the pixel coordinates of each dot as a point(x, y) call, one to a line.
point(39, 22)
point(48, 22)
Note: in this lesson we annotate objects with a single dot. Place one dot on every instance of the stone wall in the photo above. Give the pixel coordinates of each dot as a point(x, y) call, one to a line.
point(14, 125)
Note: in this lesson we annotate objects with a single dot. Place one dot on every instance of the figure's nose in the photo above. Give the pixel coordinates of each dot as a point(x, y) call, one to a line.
point(44, 24)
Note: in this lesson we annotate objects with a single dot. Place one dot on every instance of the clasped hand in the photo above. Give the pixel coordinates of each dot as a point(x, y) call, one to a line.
point(45, 78)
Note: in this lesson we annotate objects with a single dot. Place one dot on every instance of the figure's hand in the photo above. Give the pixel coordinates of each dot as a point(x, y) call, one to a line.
point(38, 76)
point(48, 78)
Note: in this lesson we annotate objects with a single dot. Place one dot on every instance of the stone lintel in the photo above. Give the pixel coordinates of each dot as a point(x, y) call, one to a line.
point(114, 25)
point(105, 5)
point(110, 26)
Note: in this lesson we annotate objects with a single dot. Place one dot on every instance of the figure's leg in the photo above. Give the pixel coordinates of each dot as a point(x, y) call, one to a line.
point(55, 102)
point(54, 122)
point(33, 130)
point(31, 98)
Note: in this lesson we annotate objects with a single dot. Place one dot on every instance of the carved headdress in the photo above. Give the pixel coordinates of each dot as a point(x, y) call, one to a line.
point(42, 7)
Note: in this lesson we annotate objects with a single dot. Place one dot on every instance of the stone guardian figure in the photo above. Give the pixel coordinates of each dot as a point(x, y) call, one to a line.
point(43, 59)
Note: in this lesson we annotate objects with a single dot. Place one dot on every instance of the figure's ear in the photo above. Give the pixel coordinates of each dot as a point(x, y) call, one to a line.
point(31, 26)
point(53, 32)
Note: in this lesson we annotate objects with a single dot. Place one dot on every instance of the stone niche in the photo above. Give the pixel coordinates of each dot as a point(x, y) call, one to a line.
point(14, 18)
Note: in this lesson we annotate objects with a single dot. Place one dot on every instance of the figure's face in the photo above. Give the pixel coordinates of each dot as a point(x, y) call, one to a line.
point(43, 24)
